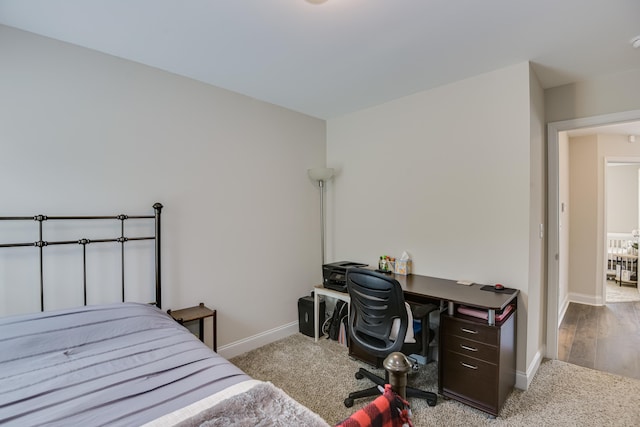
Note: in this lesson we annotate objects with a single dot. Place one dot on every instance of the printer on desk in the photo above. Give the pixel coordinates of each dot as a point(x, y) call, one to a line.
point(334, 275)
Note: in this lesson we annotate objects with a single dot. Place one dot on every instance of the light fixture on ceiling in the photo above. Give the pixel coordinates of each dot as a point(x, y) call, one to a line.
point(632, 138)
point(321, 175)
point(635, 42)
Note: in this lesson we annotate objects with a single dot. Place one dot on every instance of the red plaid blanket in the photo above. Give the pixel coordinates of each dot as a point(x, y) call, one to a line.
point(388, 410)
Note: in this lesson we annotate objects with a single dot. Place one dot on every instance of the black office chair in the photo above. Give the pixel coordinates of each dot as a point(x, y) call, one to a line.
point(376, 300)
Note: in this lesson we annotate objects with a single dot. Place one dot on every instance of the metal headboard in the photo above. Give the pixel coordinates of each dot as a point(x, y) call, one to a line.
point(122, 239)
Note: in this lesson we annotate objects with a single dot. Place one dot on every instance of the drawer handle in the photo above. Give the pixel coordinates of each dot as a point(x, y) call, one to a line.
point(469, 331)
point(466, 347)
point(466, 365)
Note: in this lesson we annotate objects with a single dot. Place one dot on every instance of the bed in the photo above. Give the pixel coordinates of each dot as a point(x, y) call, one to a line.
point(124, 363)
point(622, 258)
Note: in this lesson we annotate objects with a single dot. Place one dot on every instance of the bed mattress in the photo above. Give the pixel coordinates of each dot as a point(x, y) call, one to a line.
point(119, 364)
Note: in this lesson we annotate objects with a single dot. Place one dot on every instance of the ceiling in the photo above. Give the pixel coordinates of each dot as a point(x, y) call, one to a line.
point(329, 58)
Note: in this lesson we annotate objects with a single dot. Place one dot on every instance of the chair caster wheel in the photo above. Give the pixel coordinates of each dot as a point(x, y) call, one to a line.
point(359, 376)
point(348, 402)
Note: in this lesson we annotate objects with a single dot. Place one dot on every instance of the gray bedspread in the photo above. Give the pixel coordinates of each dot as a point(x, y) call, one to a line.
point(120, 364)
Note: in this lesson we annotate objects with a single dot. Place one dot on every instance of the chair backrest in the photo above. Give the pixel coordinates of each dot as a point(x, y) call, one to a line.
point(376, 300)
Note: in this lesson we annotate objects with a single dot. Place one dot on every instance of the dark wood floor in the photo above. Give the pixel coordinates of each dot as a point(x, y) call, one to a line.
point(606, 338)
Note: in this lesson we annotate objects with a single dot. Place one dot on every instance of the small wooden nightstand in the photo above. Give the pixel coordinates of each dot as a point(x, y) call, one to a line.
point(199, 313)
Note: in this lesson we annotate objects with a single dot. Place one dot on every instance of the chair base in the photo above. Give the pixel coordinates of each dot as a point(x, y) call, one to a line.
point(430, 397)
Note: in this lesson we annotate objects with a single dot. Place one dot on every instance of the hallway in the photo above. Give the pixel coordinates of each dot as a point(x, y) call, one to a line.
point(605, 338)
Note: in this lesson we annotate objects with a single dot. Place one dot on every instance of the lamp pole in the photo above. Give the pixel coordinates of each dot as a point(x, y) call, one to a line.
point(321, 175)
point(321, 185)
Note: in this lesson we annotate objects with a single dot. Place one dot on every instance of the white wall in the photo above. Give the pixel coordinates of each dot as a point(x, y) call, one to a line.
point(446, 175)
point(613, 93)
point(622, 197)
point(583, 232)
point(536, 320)
point(87, 133)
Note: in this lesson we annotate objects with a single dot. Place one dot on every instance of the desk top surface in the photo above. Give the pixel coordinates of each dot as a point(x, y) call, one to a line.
point(450, 290)
point(425, 287)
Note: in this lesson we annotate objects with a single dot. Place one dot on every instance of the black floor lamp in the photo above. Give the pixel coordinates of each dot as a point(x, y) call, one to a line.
point(321, 175)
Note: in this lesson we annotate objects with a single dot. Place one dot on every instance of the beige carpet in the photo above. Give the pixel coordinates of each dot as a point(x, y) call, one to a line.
point(320, 375)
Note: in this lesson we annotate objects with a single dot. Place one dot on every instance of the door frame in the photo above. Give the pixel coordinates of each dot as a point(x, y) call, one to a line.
point(554, 257)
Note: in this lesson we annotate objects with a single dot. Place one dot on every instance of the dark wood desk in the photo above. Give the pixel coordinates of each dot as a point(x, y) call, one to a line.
point(424, 288)
point(476, 357)
point(419, 288)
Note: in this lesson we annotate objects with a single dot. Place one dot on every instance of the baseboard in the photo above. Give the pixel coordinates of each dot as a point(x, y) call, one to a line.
point(523, 379)
point(563, 311)
point(251, 343)
point(585, 299)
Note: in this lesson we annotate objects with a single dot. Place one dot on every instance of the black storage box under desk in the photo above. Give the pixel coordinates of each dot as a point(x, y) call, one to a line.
point(305, 316)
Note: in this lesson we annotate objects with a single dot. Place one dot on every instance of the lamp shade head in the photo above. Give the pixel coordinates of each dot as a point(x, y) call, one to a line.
point(320, 174)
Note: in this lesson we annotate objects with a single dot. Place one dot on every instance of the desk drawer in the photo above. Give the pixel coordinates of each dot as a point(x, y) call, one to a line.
point(474, 379)
point(466, 347)
point(476, 331)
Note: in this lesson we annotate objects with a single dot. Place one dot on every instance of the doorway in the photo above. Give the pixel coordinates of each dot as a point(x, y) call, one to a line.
point(557, 262)
point(593, 334)
point(622, 196)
